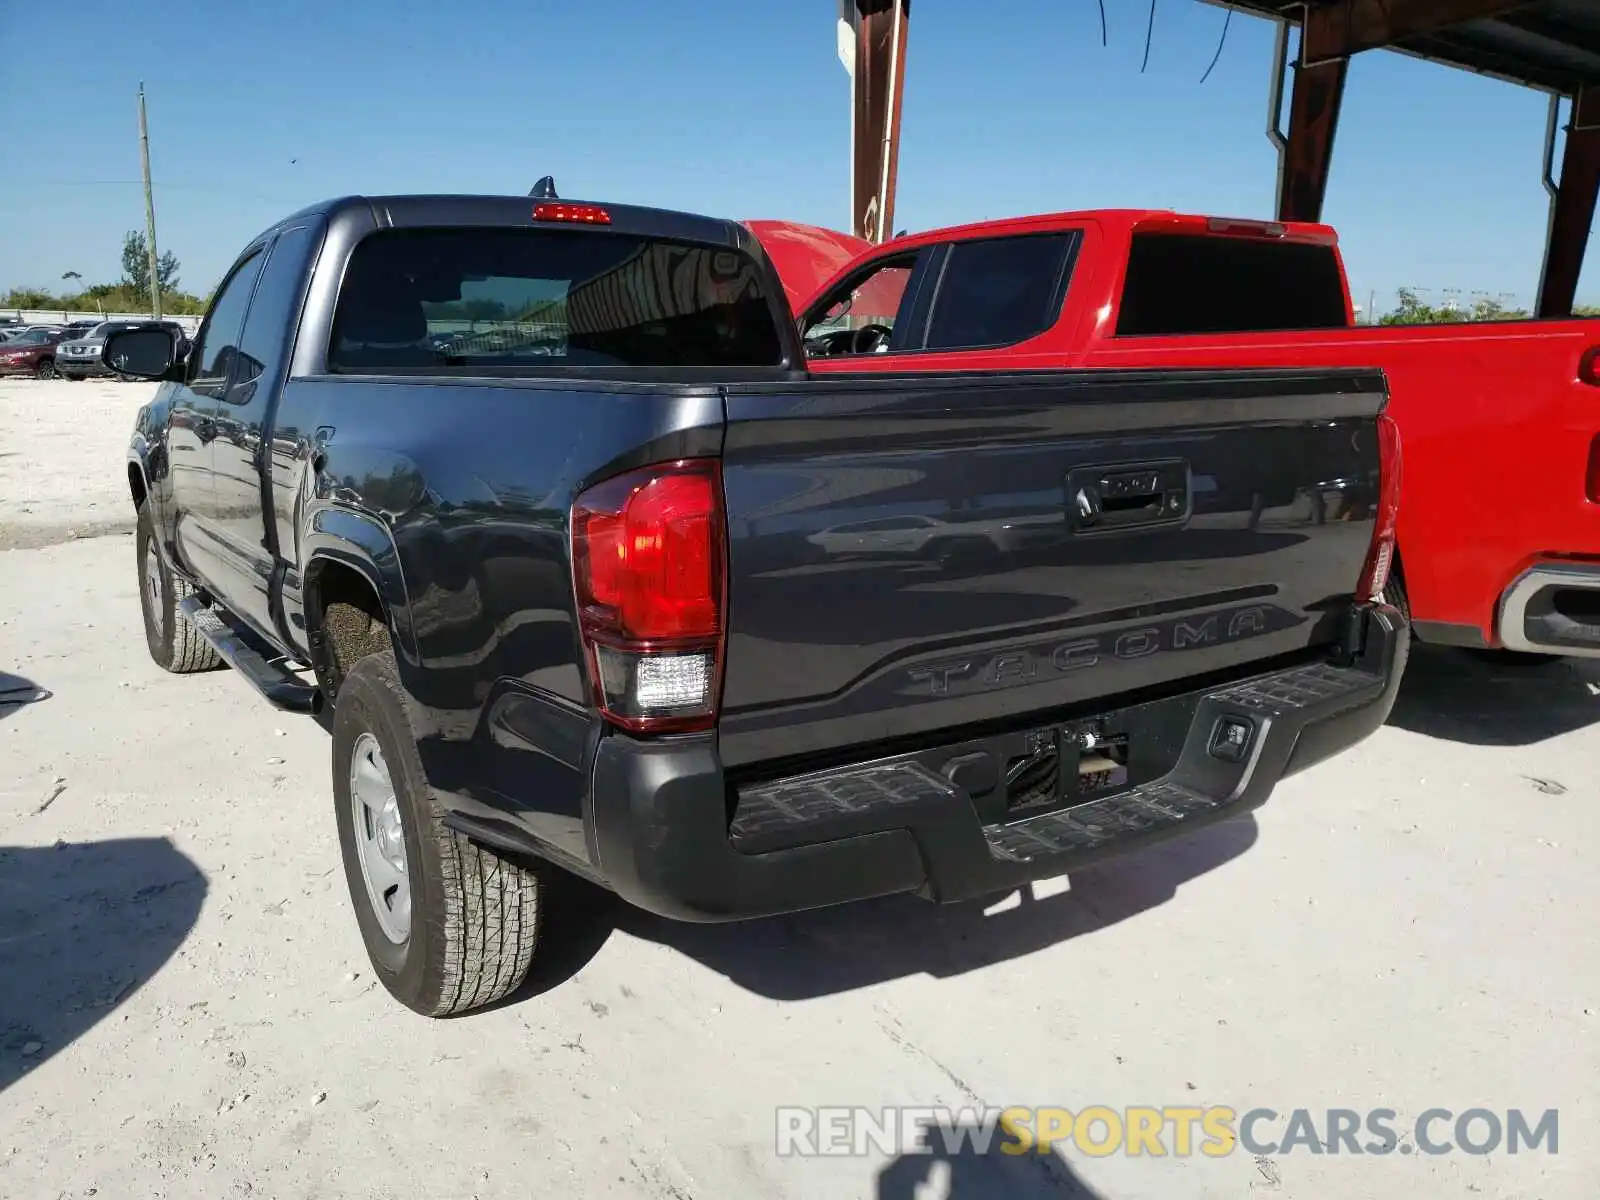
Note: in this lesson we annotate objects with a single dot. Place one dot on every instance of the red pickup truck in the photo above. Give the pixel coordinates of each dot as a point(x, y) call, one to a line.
point(1499, 538)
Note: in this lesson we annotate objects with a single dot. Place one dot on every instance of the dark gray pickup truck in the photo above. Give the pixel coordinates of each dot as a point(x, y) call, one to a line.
point(537, 505)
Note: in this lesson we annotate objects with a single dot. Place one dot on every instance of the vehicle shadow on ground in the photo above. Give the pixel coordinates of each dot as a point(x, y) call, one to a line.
point(82, 928)
point(1485, 700)
point(852, 946)
point(17, 692)
point(968, 1174)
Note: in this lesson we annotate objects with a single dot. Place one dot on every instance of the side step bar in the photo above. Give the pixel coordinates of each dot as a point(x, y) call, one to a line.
point(247, 654)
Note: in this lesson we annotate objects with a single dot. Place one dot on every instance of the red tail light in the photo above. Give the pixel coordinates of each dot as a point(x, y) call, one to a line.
point(1589, 366)
point(582, 214)
point(1385, 528)
point(649, 565)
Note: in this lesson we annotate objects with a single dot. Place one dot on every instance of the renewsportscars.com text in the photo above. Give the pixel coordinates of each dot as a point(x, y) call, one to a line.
point(1159, 1131)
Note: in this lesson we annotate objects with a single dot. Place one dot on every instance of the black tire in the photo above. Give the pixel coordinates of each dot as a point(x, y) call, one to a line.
point(474, 919)
point(46, 369)
point(174, 643)
point(1394, 592)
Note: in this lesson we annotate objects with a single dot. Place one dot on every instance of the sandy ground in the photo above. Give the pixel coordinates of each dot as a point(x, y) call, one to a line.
point(186, 1010)
point(62, 450)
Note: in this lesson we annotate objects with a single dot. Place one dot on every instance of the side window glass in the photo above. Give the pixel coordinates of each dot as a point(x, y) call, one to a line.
point(860, 316)
point(1000, 291)
point(272, 312)
point(219, 339)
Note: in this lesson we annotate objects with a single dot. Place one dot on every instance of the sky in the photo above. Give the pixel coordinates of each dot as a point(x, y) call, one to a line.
point(735, 109)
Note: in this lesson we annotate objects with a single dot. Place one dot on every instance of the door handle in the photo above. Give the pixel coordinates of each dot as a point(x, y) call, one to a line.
point(1128, 497)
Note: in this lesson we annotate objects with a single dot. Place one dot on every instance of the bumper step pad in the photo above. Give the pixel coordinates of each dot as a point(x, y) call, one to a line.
point(902, 792)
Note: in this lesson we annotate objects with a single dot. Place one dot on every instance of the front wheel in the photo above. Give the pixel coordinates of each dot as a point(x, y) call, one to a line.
point(174, 643)
point(448, 925)
point(46, 369)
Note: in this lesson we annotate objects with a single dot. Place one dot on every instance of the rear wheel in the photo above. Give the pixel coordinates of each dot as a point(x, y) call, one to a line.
point(174, 643)
point(448, 925)
point(1394, 592)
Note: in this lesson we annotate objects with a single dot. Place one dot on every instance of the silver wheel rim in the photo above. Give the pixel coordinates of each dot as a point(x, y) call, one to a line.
point(152, 590)
point(380, 839)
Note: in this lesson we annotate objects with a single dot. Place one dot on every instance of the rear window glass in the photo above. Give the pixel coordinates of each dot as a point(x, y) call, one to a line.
point(544, 299)
point(1000, 291)
point(1182, 283)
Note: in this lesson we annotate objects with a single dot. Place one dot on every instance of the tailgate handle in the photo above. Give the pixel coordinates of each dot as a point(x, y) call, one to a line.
point(1127, 497)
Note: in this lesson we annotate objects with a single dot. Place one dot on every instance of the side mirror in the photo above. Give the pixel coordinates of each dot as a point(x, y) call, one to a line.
point(143, 353)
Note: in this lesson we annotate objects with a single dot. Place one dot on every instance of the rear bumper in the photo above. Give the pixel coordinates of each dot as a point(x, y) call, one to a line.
point(671, 838)
point(1553, 608)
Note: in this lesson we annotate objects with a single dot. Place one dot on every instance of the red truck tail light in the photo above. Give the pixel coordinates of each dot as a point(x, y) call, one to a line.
point(1375, 575)
point(649, 565)
point(1591, 474)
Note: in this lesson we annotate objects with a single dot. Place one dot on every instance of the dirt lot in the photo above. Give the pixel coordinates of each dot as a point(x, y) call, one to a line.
point(185, 1009)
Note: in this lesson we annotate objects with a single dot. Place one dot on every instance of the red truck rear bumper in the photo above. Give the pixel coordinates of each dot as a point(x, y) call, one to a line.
point(1552, 608)
point(673, 836)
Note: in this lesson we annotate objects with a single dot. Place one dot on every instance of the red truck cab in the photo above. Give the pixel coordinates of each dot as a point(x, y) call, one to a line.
point(1499, 532)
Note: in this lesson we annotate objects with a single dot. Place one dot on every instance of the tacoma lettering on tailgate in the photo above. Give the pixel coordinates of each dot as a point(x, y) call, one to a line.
point(1034, 663)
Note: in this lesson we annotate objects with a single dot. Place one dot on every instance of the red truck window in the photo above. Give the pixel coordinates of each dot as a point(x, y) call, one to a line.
point(862, 314)
point(1000, 291)
point(1193, 283)
point(964, 295)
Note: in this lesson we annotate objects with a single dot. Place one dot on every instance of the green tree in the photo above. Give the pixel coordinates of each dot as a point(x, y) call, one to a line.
point(1411, 310)
point(24, 297)
point(136, 265)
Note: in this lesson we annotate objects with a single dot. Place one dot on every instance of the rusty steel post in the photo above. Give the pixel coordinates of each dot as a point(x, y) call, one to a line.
point(1573, 212)
point(1313, 122)
point(880, 73)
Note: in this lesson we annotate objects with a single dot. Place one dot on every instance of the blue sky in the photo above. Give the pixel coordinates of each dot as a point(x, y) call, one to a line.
point(739, 110)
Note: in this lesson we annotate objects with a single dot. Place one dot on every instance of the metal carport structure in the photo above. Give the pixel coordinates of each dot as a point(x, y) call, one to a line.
point(1550, 45)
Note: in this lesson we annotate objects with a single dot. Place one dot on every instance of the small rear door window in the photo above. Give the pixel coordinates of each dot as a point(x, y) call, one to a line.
point(548, 299)
point(1192, 283)
point(1000, 291)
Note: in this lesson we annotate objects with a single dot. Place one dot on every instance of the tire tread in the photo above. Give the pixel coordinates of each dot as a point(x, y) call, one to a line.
point(191, 652)
point(489, 928)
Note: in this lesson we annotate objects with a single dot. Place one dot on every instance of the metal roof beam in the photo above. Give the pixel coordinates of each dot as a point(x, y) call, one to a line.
point(1346, 27)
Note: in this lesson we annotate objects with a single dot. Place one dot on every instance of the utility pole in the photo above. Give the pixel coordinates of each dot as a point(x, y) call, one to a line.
point(149, 210)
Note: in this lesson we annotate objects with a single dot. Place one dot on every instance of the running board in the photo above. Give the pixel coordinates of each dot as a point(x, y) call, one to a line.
point(251, 657)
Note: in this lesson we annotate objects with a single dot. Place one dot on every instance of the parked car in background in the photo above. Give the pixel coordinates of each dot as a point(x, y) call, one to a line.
point(80, 357)
point(31, 353)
